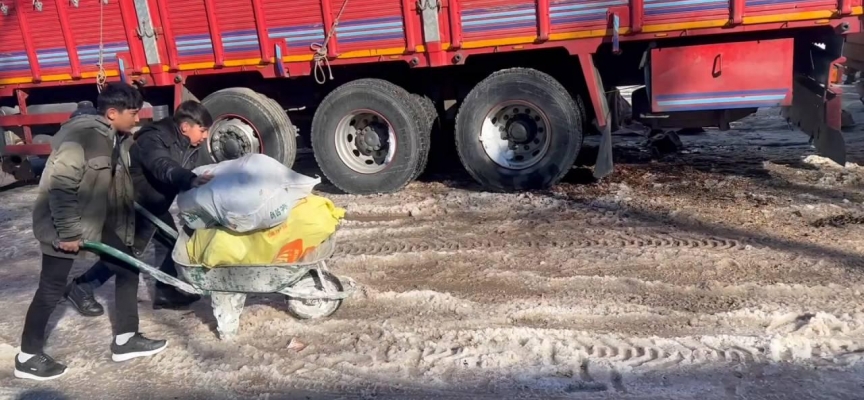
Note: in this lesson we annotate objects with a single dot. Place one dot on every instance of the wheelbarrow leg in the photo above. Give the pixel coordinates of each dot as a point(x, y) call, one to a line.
point(227, 308)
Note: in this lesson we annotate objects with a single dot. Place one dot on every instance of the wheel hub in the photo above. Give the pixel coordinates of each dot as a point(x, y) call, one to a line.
point(365, 142)
point(515, 135)
point(369, 140)
point(234, 144)
point(521, 129)
point(231, 139)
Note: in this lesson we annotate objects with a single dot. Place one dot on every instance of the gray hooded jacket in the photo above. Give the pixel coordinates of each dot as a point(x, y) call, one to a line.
point(85, 188)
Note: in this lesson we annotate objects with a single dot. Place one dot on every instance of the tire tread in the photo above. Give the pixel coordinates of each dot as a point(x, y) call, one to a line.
point(388, 89)
point(286, 141)
point(487, 85)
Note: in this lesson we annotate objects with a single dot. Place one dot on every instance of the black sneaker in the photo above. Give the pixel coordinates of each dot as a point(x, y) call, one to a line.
point(82, 299)
point(40, 367)
point(137, 346)
point(169, 297)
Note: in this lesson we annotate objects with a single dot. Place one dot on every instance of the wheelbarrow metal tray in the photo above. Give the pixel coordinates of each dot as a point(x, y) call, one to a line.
point(247, 278)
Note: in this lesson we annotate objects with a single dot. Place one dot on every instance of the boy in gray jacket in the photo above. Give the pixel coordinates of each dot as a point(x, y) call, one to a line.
point(86, 193)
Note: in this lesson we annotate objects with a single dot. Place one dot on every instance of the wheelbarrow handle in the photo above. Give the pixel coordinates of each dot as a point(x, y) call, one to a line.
point(156, 221)
point(104, 249)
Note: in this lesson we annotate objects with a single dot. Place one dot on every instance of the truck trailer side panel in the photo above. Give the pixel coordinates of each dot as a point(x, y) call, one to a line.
point(704, 63)
point(59, 42)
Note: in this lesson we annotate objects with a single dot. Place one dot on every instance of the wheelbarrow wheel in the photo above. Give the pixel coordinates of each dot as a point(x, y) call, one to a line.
point(312, 309)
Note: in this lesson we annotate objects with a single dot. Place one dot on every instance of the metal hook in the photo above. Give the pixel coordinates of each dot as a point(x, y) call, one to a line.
point(4, 9)
point(145, 31)
point(429, 4)
point(37, 5)
point(74, 3)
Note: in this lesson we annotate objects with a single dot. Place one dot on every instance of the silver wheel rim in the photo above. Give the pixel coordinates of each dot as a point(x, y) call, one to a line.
point(318, 307)
point(365, 142)
point(232, 138)
point(515, 134)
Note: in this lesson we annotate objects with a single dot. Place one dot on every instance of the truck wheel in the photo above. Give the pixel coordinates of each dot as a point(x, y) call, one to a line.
point(246, 122)
point(428, 114)
point(367, 137)
point(587, 128)
point(518, 129)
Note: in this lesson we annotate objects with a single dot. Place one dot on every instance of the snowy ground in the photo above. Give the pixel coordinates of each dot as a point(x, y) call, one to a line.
point(732, 270)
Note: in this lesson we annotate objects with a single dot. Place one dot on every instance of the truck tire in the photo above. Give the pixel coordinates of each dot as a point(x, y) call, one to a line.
point(518, 129)
point(353, 132)
point(587, 128)
point(248, 122)
point(428, 114)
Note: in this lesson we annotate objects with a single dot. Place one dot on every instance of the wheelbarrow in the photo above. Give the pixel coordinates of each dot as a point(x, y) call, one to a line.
point(311, 290)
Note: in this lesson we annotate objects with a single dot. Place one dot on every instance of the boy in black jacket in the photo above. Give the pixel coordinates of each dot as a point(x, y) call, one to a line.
point(161, 158)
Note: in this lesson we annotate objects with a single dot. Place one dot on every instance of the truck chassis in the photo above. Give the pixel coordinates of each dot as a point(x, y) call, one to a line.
point(376, 88)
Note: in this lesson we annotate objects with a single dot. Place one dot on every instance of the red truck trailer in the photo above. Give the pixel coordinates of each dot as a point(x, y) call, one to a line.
point(518, 83)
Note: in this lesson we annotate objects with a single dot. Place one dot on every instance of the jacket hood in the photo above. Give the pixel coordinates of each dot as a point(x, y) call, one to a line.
point(81, 122)
point(88, 121)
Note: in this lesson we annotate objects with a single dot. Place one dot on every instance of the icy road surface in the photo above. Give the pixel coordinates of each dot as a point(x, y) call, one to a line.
point(732, 270)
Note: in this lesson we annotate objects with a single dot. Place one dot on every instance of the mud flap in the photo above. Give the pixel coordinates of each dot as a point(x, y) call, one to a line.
point(603, 166)
point(817, 100)
point(603, 122)
point(819, 113)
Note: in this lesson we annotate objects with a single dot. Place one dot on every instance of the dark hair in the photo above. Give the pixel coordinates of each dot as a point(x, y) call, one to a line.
point(194, 113)
point(120, 96)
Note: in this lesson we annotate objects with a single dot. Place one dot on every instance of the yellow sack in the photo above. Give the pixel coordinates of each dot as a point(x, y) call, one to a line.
point(312, 220)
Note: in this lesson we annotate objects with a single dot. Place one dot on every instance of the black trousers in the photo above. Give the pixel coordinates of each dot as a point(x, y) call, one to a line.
point(52, 284)
point(98, 274)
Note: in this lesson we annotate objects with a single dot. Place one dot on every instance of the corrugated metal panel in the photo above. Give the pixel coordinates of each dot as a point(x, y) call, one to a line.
point(47, 37)
point(496, 19)
point(575, 15)
point(298, 22)
point(369, 24)
point(84, 23)
point(237, 25)
point(767, 7)
point(13, 58)
point(658, 11)
point(191, 30)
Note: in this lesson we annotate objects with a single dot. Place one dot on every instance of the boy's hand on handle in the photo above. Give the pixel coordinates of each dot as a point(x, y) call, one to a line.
point(201, 180)
point(69, 247)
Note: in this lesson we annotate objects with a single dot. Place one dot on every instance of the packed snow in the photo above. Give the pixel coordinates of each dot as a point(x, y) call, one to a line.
point(731, 268)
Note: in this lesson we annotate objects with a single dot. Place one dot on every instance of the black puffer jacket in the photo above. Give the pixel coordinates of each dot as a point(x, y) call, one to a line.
point(161, 161)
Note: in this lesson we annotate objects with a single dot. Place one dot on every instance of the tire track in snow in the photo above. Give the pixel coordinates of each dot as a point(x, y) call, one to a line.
point(510, 358)
point(409, 245)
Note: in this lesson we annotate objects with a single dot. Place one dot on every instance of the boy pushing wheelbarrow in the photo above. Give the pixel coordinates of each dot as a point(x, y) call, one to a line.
point(161, 159)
